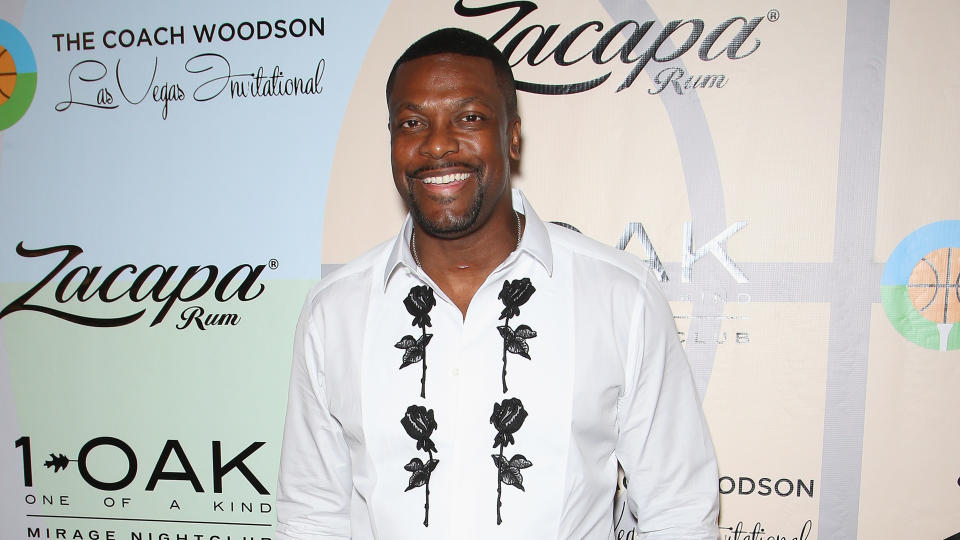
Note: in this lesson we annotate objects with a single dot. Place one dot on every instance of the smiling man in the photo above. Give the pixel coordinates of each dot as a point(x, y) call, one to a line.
point(482, 374)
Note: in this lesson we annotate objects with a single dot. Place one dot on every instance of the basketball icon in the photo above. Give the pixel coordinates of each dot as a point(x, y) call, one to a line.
point(935, 286)
point(920, 287)
point(8, 74)
point(18, 75)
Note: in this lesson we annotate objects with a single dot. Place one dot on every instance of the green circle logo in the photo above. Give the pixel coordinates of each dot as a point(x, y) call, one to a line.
point(18, 75)
point(920, 288)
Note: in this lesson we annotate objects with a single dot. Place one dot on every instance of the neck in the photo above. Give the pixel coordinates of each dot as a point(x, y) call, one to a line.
point(460, 265)
point(472, 251)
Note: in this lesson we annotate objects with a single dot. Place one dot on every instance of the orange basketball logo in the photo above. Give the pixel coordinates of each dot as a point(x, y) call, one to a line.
point(934, 288)
point(920, 287)
point(18, 75)
point(8, 75)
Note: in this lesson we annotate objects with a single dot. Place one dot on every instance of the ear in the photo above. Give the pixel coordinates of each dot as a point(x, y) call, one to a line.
point(515, 139)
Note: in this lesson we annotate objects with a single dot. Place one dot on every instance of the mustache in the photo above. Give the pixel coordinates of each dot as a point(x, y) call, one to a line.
point(440, 165)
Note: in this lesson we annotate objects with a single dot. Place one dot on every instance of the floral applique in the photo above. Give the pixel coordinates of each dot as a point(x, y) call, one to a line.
point(513, 295)
point(507, 418)
point(419, 425)
point(419, 302)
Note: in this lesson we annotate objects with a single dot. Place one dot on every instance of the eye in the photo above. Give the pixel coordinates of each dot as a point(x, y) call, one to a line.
point(410, 123)
point(472, 117)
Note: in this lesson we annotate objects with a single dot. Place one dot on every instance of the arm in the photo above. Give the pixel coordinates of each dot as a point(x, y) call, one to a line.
point(315, 484)
point(664, 445)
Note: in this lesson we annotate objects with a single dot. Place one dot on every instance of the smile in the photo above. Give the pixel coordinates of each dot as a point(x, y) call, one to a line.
point(446, 179)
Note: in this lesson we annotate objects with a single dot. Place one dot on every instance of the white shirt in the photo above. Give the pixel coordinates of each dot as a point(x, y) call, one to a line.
point(606, 381)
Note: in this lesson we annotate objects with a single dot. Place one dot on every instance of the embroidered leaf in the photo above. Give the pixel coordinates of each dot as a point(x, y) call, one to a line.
point(520, 462)
point(417, 479)
point(518, 345)
point(499, 461)
point(430, 465)
point(526, 332)
point(498, 440)
point(424, 339)
point(406, 342)
point(414, 465)
point(412, 356)
point(512, 477)
point(514, 341)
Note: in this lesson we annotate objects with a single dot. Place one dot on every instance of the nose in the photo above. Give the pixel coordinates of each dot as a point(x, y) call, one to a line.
point(439, 142)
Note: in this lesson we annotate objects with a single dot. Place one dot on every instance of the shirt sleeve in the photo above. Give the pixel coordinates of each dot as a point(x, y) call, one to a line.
point(315, 483)
point(664, 445)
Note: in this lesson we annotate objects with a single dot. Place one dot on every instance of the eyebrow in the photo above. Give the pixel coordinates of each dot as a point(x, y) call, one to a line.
point(467, 101)
point(459, 103)
point(411, 107)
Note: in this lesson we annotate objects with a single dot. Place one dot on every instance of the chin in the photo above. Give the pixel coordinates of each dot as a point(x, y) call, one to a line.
point(447, 227)
point(447, 224)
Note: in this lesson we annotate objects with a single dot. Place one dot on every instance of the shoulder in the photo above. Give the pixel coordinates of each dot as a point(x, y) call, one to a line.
point(600, 260)
point(351, 282)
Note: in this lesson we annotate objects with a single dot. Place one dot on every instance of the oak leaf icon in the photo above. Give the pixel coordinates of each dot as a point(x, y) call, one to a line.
point(57, 462)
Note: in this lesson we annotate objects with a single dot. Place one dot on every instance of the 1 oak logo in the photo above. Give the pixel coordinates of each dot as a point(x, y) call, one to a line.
point(60, 462)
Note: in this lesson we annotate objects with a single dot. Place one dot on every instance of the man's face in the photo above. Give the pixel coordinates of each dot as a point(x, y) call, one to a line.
point(451, 141)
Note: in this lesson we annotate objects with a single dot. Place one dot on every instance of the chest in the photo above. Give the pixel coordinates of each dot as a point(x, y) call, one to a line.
point(530, 338)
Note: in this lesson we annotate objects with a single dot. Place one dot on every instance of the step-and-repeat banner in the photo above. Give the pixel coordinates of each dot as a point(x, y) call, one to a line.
point(175, 176)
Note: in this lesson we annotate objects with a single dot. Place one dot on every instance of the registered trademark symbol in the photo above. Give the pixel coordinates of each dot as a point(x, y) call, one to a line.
point(773, 15)
point(273, 264)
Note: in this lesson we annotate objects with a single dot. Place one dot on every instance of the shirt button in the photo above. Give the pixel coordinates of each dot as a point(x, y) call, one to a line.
point(455, 372)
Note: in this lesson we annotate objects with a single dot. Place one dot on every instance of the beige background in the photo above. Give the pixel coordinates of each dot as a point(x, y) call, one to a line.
point(921, 121)
point(601, 159)
point(765, 409)
point(911, 434)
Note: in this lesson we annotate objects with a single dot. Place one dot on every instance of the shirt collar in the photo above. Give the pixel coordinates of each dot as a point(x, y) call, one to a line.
point(535, 241)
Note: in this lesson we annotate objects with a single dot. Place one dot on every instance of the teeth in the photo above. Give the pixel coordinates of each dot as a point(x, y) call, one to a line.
point(446, 179)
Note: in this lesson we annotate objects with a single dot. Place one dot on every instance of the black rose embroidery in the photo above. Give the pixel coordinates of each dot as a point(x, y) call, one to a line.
point(507, 418)
point(419, 302)
point(513, 295)
point(419, 424)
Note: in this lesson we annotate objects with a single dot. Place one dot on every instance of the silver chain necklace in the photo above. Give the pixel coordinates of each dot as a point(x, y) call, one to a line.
point(413, 240)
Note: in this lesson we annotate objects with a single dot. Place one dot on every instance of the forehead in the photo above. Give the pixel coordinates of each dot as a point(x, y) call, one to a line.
point(442, 77)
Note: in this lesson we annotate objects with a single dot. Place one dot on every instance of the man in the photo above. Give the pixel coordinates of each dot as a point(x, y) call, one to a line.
point(481, 375)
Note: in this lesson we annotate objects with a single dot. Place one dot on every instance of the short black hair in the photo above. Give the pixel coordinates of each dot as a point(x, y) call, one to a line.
point(466, 43)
